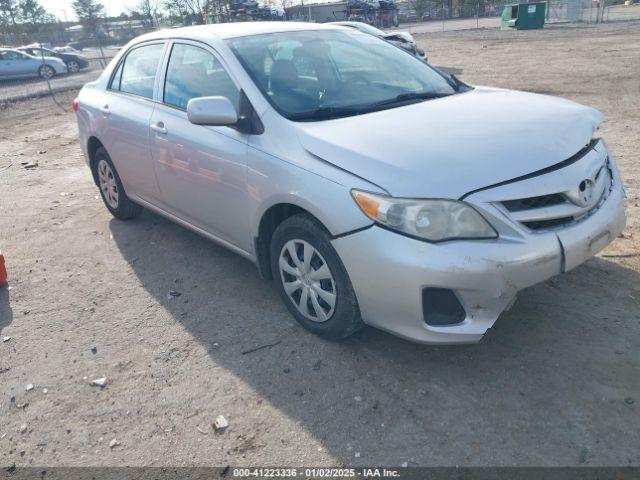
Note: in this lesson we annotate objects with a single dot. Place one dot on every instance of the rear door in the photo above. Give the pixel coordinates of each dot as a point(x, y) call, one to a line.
point(201, 170)
point(126, 108)
point(5, 66)
point(15, 64)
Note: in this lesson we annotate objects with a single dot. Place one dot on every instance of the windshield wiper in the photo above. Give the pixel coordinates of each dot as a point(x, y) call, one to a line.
point(325, 113)
point(407, 97)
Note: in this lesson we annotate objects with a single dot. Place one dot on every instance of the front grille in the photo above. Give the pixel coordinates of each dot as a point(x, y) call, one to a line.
point(547, 224)
point(562, 208)
point(534, 202)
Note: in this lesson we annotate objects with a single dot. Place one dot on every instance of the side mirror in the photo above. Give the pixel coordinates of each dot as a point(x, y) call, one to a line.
point(216, 111)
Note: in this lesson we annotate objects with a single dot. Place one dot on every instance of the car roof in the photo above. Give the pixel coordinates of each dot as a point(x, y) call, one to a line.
point(233, 30)
point(363, 27)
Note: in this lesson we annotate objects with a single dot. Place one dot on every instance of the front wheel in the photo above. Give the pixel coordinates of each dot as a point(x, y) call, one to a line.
point(46, 72)
point(312, 280)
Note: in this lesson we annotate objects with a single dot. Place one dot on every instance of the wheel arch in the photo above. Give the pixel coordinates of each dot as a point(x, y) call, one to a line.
point(271, 217)
point(93, 144)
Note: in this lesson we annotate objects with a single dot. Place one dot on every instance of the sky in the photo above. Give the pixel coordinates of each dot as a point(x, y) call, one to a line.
point(113, 7)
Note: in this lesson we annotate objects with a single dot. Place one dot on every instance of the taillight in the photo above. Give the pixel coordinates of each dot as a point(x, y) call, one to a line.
point(75, 105)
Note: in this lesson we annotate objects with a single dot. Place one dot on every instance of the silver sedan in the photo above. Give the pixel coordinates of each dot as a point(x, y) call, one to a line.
point(16, 64)
point(371, 188)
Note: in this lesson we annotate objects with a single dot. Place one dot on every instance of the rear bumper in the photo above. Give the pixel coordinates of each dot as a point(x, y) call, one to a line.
point(389, 271)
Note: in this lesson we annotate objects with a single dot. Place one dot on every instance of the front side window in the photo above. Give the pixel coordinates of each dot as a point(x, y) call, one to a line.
point(137, 74)
point(194, 72)
point(319, 74)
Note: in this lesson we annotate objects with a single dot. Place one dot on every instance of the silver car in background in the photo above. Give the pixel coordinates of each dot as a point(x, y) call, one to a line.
point(403, 40)
point(16, 64)
point(369, 186)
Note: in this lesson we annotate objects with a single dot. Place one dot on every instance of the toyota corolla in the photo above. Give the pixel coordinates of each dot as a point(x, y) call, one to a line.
point(372, 188)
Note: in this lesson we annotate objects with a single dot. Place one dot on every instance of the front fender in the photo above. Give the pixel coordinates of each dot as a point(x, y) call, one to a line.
point(273, 181)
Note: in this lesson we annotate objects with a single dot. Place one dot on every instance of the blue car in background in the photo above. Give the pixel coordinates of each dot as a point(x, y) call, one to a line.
point(16, 64)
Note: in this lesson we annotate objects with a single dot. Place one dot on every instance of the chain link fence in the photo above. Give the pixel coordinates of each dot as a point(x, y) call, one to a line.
point(592, 11)
point(436, 16)
point(37, 69)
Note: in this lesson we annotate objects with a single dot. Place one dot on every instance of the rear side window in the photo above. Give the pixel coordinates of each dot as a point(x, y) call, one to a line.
point(9, 55)
point(137, 74)
point(194, 72)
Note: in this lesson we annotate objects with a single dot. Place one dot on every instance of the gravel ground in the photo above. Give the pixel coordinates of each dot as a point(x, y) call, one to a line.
point(555, 382)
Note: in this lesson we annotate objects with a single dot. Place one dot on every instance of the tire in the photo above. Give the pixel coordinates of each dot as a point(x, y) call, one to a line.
point(292, 237)
point(111, 189)
point(46, 72)
point(73, 66)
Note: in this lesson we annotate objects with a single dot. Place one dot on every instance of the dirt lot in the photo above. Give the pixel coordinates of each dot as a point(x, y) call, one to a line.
point(555, 382)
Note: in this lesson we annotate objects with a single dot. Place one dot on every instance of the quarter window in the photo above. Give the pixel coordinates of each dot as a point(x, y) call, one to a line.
point(137, 74)
point(194, 72)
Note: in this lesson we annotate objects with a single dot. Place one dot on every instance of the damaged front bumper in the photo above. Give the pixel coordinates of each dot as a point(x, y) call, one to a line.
point(391, 273)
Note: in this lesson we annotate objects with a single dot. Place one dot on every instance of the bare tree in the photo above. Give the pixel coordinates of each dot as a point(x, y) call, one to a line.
point(32, 13)
point(90, 13)
point(9, 12)
point(149, 11)
point(195, 10)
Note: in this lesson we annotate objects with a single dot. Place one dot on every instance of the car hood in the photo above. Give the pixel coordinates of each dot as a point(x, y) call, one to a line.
point(450, 146)
point(406, 36)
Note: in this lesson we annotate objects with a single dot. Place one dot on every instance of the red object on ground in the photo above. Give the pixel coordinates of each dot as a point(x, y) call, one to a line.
point(3, 271)
point(75, 105)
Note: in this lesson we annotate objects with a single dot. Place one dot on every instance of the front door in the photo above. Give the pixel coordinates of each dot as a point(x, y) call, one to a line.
point(201, 170)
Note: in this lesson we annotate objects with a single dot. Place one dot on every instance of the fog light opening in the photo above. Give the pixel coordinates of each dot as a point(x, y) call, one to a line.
point(441, 307)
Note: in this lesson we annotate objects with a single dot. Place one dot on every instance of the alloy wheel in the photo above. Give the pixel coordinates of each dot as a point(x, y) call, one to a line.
point(307, 280)
point(73, 66)
point(47, 72)
point(108, 184)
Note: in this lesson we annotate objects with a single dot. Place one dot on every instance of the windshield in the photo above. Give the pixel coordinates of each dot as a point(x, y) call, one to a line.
point(322, 74)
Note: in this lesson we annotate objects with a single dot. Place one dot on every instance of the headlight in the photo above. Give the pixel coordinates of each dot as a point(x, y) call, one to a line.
point(433, 220)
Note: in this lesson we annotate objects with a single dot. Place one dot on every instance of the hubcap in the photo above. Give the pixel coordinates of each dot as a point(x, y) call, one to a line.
point(47, 72)
point(108, 184)
point(307, 280)
point(73, 67)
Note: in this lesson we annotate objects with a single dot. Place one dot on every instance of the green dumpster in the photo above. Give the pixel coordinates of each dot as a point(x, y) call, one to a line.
point(523, 16)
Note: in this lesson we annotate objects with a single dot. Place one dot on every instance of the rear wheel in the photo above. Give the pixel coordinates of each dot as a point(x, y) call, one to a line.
point(111, 189)
point(312, 280)
point(46, 72)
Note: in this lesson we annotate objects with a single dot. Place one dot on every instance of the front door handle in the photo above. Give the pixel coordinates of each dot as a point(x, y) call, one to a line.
point(159, 127)
point(105, 109)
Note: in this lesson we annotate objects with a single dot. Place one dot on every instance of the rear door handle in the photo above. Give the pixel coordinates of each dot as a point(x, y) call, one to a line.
point(105, 109)
point(159, 127)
